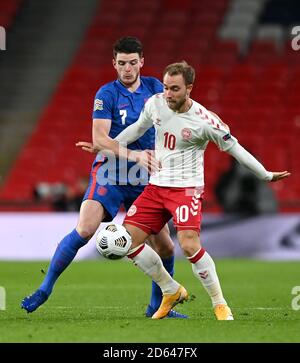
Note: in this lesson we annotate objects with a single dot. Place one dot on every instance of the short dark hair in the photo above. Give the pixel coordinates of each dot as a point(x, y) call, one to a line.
point(187, 71)
point(128, 45)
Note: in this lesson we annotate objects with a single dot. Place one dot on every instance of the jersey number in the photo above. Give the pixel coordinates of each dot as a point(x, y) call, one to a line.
point(170, 141)
point(123, 114)
point(182, 213)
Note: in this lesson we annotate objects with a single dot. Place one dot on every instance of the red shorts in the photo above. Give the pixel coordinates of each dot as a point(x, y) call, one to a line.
point(157, 205)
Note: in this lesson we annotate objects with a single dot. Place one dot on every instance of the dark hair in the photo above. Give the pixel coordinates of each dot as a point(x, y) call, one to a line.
point(128, 45)
point(187, 71)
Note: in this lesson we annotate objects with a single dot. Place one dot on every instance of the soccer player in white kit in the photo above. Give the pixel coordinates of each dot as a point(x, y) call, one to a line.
point(183, 129)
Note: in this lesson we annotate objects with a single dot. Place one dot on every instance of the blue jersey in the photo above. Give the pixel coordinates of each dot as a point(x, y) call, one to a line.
point(113, 101)
point(110, 183)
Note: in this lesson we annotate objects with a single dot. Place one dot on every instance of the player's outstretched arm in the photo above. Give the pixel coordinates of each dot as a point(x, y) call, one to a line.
point(103, 142)
point(144, 158)
point(250, 162)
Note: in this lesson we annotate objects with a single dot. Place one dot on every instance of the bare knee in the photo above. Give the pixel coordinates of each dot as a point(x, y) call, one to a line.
point(86, 230)
point(189, 242)
point(90, 217)
point(138, 236)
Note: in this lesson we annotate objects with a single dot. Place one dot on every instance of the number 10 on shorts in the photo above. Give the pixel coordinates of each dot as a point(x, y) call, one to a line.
point(182, 214)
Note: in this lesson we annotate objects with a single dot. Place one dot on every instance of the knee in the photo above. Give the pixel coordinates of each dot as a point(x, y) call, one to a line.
point(164, 251)
point(86, 230)
point(188, 249)
point(190, 243)
point(163, 245)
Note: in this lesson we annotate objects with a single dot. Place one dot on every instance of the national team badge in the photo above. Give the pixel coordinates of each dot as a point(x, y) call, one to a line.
point(186, 134)
point(98, 105)
point(131, 211)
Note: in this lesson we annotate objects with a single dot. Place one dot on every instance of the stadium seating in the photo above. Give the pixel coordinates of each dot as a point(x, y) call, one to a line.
point(251, 78)
point(8, 10)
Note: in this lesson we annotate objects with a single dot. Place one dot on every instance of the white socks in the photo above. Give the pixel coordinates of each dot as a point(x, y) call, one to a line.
point(150, 263)
point(204, 269)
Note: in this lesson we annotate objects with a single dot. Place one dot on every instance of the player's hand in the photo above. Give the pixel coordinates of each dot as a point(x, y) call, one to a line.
point(87, 146)
point(278, 175)
point(146, 159)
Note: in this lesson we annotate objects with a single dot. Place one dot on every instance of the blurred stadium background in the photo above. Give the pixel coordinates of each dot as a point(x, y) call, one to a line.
point(57, 55)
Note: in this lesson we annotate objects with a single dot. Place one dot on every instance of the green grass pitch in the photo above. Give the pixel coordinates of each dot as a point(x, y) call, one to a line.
point(104, 301)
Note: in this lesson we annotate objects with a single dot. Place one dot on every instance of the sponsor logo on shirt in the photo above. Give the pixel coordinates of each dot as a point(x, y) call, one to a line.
point(186, 134)
point(226, 137)
point(98, 105)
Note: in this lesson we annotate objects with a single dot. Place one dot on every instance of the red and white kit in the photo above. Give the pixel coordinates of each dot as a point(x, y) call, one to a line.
point(180, 142)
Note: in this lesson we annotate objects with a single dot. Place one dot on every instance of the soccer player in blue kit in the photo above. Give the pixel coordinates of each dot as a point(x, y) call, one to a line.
point(117, 105)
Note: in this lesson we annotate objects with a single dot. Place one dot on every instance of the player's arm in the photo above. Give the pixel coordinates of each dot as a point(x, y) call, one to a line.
point(220, 120)
point(249, 161)
point(218, 132)
point(102, 119)
point(104, 143)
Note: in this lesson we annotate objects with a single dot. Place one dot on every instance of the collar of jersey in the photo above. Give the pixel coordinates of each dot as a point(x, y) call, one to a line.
point(125, 91)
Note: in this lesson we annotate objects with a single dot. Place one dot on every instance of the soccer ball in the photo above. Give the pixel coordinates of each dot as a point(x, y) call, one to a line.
point(113, 242)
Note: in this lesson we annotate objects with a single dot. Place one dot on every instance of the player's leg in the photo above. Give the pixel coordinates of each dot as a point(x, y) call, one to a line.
point(148, 214)
point(204, 269)
point(144, 257)
point(99, 203)
point(185, 205)
point(90, 216)
point(164, 247)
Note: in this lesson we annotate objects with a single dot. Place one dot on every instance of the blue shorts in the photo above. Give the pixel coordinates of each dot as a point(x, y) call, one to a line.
point(111, 197)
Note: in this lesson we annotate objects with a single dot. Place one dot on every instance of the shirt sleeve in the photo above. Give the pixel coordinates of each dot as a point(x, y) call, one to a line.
point(103, 105)
point(215, 130)
point(249, 161)
point(138, 128)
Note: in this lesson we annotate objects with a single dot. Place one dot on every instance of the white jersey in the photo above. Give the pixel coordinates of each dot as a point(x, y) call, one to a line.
point(181, 139)
point(180, 142)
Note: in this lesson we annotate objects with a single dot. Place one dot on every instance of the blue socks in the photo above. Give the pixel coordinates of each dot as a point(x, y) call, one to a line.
point(156, 295)
point(63, 256)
